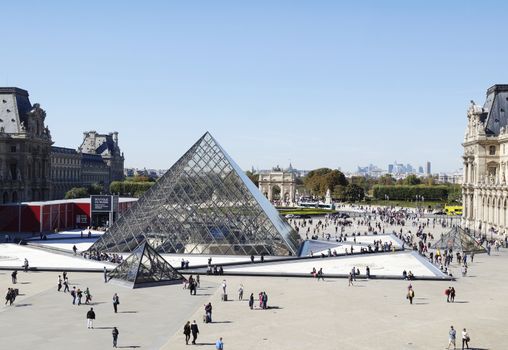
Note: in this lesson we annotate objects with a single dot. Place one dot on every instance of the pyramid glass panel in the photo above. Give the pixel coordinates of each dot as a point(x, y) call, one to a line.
point(458, 240)
point(145, 267)
point(204, 204)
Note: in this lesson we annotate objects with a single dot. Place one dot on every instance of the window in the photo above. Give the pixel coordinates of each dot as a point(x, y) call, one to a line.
point(13, 149)
point(492, 150)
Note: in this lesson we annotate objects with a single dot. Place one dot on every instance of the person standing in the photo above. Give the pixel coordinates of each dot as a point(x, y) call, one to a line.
point(88, 296)
point(465, 339)
point(74, 249)
point(105, 275)
point(59, 285)
point(79, 294)
point(187, 332)
point(350, 280)
point(452, 294)
point(410, 295)
point(90, 317)
point(240, 292)
point(451, 337)
point(224, 285)
point(14, 276)
point(251, 301)
point(66, 286)
point(115, 336)
point(194, 331)
point(219, 345)
point(25, 265)
point(116, 301)
point(73, 295)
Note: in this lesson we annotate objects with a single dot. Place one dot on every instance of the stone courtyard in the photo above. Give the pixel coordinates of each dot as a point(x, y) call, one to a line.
point(303, 313)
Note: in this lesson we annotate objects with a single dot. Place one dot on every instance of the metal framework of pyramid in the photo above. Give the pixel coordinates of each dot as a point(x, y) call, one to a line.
point(145, 268)
point(458, 240)
point(204, 204)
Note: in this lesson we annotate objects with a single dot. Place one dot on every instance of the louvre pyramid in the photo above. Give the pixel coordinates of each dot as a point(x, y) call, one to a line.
point(145, 267)
point(204, 204)
point(458, 240)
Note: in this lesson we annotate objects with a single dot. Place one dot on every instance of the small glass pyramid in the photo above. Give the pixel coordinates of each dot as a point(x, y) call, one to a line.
point(458, 240)
point(204, 204)
point(144, 268)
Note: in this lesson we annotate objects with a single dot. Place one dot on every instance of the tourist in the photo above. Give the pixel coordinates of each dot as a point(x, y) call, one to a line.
point(79, 294)
point(219, 345)
point(14, 276)
point(197, 282)
point(59, 285)
point(74, 249)
point(195, 331)
point(447, 293)
point(208, 313)
point(25, 265)
point(251, 301)
point(465, 339)
point(116, 302)
point(410, 295)
point(240, 292)
point(115, 333)
point(451, 337)
point(350, 279)
point(224, 287)
point(66, 286)
point(88, 296)
point(252, 258)
point(187, 332)
point(105, 275)
point(320, 274)
point(452, 294)
point(90, 317)
point(73, 295)
point(367, 272)
point(264, 299)
point(10, 296)
point(472, 256)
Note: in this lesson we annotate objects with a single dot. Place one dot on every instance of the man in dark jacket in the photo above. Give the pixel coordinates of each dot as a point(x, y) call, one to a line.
point(195, 331)
point(115, 336)
point(90, 317)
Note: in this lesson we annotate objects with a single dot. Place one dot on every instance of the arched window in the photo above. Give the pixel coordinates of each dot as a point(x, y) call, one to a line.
point(5, 198)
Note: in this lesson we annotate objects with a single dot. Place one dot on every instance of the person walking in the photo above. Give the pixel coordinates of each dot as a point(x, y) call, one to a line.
point(465, 339)
point(240, 292)
point(251, 301)
point(90, 317)
point(116, 302)
point(79, 294)
point(451, 338)
point(88, 296)
point(105, 275)
point(74, 249)
point(59, 285)
point(452, 294)
point(73, 295)
point(14, 276)
point(66, 286)
point(187, 332)
point(219, 345)
point(350, 280)
point(115, 333)
point(410, 295)
point(224, 285)
point(25, 265)
point(194, 331)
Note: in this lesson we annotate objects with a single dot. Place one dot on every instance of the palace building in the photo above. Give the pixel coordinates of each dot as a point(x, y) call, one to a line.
point(485, 188)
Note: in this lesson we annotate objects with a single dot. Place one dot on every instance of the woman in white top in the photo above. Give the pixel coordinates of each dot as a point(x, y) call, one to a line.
point(465, 339)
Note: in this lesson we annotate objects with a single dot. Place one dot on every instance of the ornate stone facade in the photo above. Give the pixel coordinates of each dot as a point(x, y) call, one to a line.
point(485, 188)
point(25, 145)
point(282, 182)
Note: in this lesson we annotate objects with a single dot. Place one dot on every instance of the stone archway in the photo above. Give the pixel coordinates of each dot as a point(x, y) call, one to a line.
point(284, 181)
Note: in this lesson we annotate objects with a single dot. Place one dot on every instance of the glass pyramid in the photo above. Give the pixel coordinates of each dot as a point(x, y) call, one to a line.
point(458, 240)
point(204, 204)
point(145, 267)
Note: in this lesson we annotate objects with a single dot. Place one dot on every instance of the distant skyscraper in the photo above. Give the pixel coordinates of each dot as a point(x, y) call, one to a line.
point(390, 168)
point(420, 170)
point(428, 168)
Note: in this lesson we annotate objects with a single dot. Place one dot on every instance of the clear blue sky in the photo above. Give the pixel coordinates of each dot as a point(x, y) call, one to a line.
point(323, 83)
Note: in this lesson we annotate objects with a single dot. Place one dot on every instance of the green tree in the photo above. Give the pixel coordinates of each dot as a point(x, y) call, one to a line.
point(96, 188)
point(354, 193)
point(386, 180)
point(320, 180)
point(77, 192)
point(412, 180)
point(253, 177)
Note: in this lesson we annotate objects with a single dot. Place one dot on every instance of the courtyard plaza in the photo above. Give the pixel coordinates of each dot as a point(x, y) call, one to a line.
point(302, 312)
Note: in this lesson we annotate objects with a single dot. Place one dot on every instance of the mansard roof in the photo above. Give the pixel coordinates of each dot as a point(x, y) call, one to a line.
point(496, 109)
